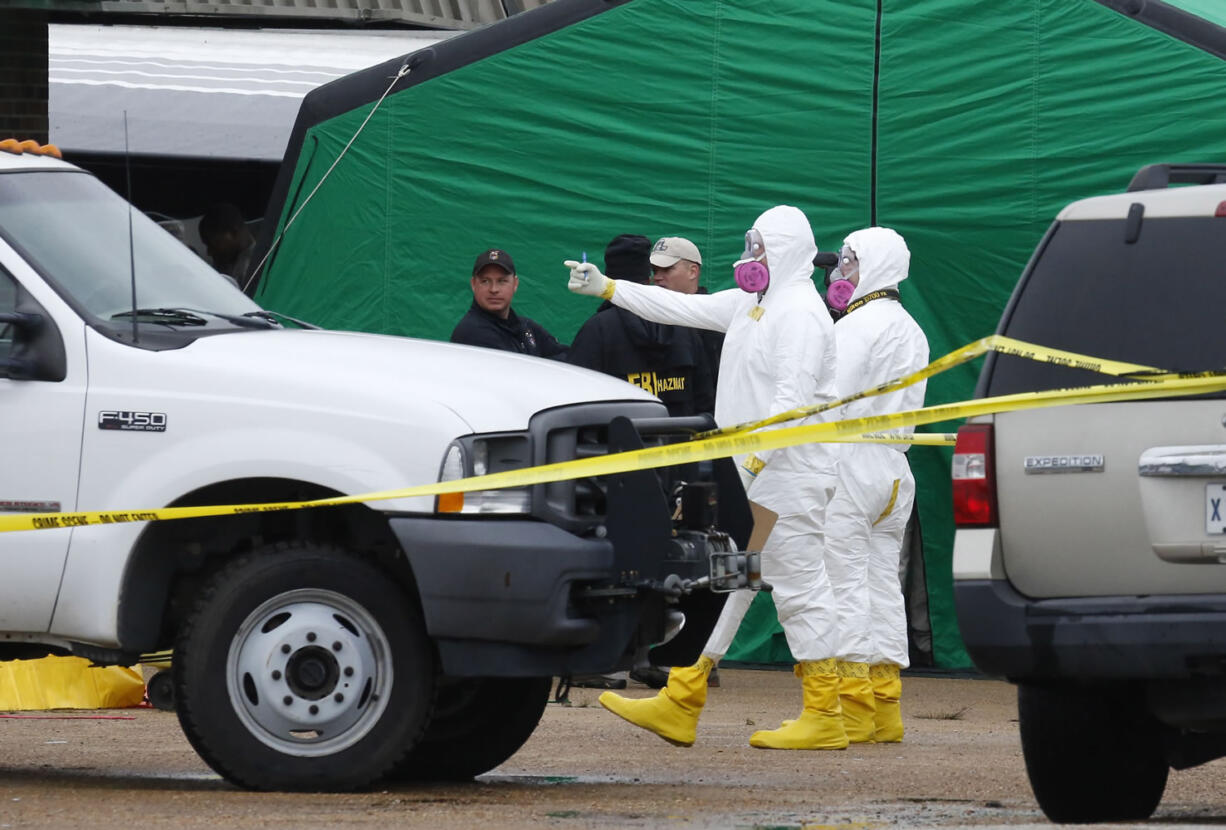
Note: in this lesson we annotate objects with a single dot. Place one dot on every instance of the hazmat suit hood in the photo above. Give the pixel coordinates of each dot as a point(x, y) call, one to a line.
point(866, 521)
point(789, 245)
point(884, 259)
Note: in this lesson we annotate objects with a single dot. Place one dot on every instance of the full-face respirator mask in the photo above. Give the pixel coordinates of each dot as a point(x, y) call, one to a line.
point(840, 289)
point(750, 273)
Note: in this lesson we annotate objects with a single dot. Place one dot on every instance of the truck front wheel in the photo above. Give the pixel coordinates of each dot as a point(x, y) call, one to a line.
point(1092, 752)
point(479, 722)
point(303, 667)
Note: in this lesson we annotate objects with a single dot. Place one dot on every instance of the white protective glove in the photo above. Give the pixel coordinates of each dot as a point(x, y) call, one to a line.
point(585, 278)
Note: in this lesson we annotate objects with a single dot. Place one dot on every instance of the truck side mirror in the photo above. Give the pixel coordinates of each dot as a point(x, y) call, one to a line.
point(17, 326)
point(36, 350)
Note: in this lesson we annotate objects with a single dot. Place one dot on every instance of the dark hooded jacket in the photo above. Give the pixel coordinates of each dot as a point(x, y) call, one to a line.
point(668, 361)
point(514, 334)
point(712, 344)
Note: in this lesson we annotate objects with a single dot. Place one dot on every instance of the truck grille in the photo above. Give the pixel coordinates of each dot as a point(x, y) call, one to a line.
point(579, 431)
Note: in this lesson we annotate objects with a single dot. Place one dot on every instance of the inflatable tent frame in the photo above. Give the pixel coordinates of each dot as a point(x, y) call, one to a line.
point(964, 125)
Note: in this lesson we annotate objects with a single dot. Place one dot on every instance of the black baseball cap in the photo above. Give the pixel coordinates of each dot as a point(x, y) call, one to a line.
point(494, 256)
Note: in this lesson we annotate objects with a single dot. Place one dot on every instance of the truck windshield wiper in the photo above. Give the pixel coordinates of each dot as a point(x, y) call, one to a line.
point(244, 320)
point(277, 317)
point(166, 316)
point(192, 317)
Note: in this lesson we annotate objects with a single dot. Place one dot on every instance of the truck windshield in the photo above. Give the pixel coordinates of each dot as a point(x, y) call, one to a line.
point(74, 230)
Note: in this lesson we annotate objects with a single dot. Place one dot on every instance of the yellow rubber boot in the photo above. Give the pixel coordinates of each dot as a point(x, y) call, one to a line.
point(673, 713)
point(856, 700)
point(887, 689)
point(820, 725)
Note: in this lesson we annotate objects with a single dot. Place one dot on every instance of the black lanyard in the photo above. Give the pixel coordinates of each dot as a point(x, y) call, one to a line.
point(884, 293)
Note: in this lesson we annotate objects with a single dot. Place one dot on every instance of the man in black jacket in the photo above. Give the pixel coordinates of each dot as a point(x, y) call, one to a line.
point(668, 361)
point(677, 266)
point(490, 321)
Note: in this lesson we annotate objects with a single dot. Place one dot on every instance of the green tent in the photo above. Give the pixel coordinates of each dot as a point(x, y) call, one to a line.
point(965, 125)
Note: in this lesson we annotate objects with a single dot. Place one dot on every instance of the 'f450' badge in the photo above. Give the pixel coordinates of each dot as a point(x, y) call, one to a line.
point(132, 421)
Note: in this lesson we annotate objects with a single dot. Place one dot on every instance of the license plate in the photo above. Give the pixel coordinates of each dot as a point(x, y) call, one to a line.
point(1215, 509)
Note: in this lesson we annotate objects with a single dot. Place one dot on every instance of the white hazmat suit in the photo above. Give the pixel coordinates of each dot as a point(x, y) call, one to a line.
point(778, 354)
point(877, 341)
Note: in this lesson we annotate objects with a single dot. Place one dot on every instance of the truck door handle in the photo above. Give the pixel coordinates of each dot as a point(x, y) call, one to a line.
point(1202, 461)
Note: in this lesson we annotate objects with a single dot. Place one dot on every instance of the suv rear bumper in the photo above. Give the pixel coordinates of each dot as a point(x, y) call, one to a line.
point(1153, 637)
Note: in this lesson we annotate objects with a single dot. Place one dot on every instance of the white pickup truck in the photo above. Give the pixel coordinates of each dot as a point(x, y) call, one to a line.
point(324, 648)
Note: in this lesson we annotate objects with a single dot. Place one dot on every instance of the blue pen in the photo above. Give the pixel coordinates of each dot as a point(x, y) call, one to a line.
point(585, 256)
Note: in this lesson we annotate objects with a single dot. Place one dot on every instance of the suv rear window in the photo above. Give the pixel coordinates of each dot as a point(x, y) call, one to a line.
point(1159, 301)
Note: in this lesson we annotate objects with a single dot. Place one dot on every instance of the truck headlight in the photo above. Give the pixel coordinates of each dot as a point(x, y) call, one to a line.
point(480, 455)
point(453, 463)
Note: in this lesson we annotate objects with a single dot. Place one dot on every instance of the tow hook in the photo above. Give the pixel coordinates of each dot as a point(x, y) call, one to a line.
point(728, 571)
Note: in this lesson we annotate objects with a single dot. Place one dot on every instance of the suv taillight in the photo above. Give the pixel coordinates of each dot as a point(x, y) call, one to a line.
point(974, 478)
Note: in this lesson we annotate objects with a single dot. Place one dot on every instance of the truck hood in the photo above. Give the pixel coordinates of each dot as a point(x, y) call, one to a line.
point(488, 389)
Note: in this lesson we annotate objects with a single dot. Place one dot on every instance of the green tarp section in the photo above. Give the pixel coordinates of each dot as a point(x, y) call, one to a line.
point(1212, 10)
point(976, 125)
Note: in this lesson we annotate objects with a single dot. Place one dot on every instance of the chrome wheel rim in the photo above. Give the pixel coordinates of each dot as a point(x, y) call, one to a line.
point(309, 672)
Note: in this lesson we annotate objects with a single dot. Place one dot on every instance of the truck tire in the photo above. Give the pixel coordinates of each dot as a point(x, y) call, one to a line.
point(1092, 753)
point(303, 667)
point(478, 723)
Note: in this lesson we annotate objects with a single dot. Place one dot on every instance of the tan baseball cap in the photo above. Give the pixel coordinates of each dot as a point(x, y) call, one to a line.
point(668, 250)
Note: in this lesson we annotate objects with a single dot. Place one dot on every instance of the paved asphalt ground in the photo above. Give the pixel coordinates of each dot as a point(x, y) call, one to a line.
point(960, 765)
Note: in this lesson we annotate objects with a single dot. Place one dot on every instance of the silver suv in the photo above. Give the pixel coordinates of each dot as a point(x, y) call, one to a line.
point(1090, 556)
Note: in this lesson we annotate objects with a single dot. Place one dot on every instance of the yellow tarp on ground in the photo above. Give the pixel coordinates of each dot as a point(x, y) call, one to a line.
point(67, 683)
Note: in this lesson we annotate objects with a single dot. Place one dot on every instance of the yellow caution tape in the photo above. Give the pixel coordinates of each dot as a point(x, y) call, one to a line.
point(736, 441)
point(995, 343)
point(669, 455)
point(922, 439)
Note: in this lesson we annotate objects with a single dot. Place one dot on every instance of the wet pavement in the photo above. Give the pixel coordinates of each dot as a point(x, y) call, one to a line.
point(960, 765)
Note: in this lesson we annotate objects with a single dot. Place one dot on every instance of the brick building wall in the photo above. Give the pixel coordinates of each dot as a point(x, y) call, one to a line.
point(23, 74)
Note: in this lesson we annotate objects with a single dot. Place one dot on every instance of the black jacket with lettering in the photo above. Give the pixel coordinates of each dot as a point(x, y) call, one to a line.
point(668, 361)
point(515, 334)
point(713, 344)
